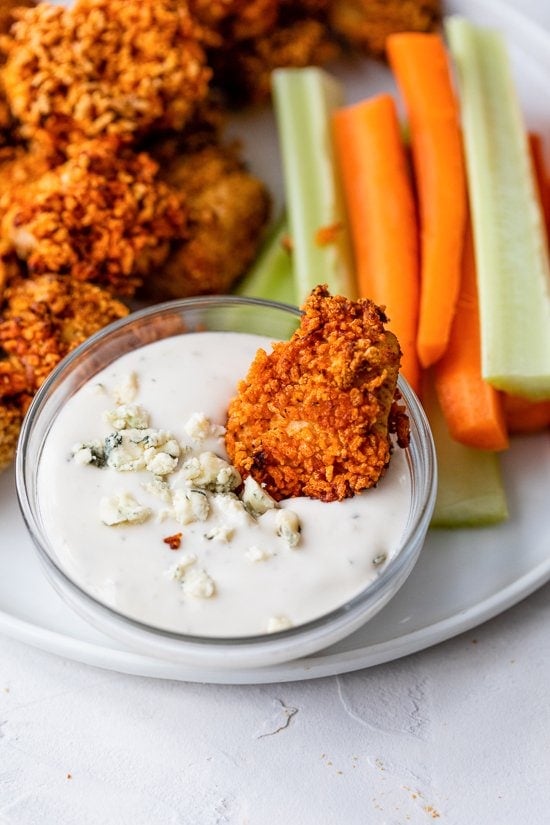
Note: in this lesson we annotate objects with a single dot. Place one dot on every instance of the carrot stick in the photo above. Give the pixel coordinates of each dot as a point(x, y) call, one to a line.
point(381, 210)
point(472, 408)
point(422, 71)
point(539, 167)
point(524, 416)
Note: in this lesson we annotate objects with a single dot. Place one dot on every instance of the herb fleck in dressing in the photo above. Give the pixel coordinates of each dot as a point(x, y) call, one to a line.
point(146, 514)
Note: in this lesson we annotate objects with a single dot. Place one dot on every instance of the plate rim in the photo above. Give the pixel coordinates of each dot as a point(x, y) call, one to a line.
point(134, 663)
point(526, 33)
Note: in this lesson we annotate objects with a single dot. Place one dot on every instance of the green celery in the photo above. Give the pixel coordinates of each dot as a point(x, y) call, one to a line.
point(470, 492)
point(304, 100)
point(271, 276)
point(511, 249)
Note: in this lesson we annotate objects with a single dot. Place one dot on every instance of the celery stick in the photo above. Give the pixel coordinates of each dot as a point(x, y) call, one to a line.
point(470, 492)
point(271, 274)
point(304, 100)
point(510, 244)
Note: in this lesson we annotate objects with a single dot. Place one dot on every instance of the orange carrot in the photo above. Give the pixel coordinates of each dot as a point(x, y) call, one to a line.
point(539, 168)
point(472, 408)
point(421, 67)
point(524, 416)
point(381, 210)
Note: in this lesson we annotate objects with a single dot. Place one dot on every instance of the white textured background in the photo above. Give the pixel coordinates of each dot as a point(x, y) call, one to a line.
point(459, 733)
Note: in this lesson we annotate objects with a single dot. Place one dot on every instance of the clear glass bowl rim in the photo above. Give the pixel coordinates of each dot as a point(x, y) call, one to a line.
point(424, 487)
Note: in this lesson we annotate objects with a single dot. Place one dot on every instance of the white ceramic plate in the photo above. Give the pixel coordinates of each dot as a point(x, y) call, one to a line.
point(462, 578)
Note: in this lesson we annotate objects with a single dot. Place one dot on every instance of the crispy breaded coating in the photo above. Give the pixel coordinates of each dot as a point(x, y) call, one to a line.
point(11, 418)
point(365, 24)
point(235, 19)
point(101, 216)
point(5, 120)
point(10, 267)
point(204, 129)
point(13, 377)
point(303, 8)
point(314, 416)
point(42, 320)
point(7, 8)
point(227, 211)
point(119, 67)
point(7, 18)
point(20, 166)
point(244, 70)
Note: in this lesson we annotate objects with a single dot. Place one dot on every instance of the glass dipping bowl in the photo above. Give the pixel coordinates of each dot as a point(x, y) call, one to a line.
point(228, 314)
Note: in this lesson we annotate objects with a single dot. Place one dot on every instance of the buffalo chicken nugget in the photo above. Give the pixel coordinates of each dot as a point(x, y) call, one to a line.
point(19, 166)
point(243, 71)
point(121, 67)
point(101, 216)
point(234, 20)
point(366, 24)
point(42, 320)
point(228, 209)
point(315, 416)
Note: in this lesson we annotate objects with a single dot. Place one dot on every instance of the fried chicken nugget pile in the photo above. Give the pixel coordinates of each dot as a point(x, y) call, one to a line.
point(90, 209)
point(315, 416)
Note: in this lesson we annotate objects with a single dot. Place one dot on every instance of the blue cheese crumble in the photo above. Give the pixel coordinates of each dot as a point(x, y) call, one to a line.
point(126, 416)
point(277, 623)
point(131, 449)
point(210, 472)
point(199, 427)
point(189, 506)
point(256, 500)
point(191, 485)
point(122, 508)
point(288, 527)
point(127, 390)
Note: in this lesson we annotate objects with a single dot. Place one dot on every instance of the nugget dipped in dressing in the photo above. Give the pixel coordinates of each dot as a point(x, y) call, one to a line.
point(315, 416)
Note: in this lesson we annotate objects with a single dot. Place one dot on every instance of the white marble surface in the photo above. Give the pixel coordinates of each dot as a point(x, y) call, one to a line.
point(459, 733)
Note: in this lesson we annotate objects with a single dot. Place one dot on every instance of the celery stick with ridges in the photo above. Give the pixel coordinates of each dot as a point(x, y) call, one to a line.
point(304, 100)
point(510, 245)
point(270, 276)
point(470, 492)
